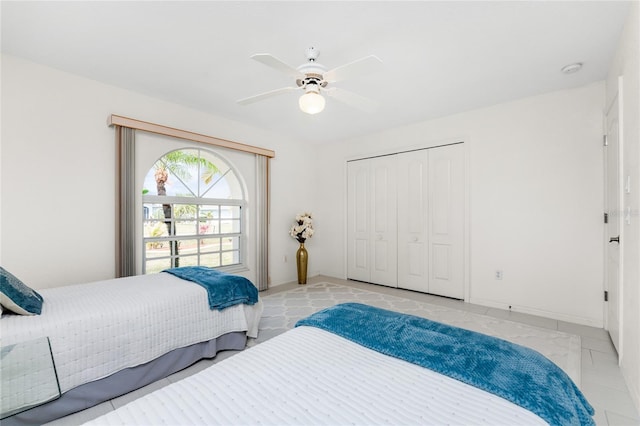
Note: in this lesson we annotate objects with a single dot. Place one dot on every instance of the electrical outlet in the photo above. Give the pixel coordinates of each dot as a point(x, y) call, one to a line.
point(498, 274)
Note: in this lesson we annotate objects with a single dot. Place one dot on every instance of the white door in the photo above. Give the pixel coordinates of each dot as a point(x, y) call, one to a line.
point(358, 220)
point(384, 234)
point(613, 210)
point(446, 221)
point(413, 204)
point(372, 221)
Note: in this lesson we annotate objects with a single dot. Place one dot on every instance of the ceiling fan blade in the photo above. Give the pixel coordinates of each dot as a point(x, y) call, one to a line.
point(261, 96)
point(353, 100)
point(356, 68)
point(275, 63)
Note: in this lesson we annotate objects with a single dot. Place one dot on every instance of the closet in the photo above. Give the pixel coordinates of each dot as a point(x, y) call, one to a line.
point(406, 216)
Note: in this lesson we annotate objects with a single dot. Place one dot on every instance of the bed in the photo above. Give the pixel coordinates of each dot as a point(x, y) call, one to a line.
point(356, 364)
point(110, 337)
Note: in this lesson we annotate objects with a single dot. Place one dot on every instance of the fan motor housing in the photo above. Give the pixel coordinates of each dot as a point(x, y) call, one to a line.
point(311, 78)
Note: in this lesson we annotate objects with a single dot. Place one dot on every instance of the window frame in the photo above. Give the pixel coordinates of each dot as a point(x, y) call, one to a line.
point(129, 152)
point(200, 201)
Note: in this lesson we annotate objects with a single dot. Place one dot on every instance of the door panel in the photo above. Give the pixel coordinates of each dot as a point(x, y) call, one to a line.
point(415, 261)
point(381, 253)
point(361, 254)
point(446, 221)
point(384, 217)
point(381, 196)
point(361, 190)
point(441, 265)
point(358, 232)
point(415, 201)
point(614, 209)
point(412, 226)
point(441, 187)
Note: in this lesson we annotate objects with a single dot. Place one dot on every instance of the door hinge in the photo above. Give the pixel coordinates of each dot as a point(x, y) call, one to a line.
point(605, 141)
point(606, 218)
point(606, 296)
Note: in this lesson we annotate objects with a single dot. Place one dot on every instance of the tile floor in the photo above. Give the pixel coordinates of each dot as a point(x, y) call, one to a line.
point(602, 382)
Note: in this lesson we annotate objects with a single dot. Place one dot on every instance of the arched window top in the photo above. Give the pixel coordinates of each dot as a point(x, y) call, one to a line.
point(193, 207)
point(195, 173)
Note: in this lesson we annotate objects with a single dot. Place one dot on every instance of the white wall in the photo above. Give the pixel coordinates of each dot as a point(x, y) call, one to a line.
point(58, 173)
point(626, 64)
point(536, 185)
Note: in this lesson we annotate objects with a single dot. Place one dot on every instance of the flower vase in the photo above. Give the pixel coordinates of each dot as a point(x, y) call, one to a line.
point(301, 263)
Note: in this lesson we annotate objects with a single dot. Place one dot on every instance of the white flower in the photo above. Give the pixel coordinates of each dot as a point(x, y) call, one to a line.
point(302, 227)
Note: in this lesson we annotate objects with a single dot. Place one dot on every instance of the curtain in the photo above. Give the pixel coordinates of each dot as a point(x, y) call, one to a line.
point(262, 222)
point(126, 238)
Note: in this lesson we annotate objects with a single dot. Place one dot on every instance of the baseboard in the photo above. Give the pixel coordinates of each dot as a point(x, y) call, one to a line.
point(539, 312)
point(632, 386)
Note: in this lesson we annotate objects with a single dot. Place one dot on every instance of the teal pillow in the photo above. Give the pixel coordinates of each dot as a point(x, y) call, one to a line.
point(17, 297)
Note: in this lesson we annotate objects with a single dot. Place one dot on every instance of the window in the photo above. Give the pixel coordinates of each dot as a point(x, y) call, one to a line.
point(192, 212)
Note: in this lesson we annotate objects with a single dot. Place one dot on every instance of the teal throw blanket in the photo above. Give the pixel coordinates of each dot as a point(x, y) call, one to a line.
point(223, 290)
point(513, 372)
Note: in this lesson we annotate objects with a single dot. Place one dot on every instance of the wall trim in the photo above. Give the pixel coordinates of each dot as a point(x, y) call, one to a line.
point(416, 147)
point(538, 312)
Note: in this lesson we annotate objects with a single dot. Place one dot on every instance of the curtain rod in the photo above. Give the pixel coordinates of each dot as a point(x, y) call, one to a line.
point(118, 120)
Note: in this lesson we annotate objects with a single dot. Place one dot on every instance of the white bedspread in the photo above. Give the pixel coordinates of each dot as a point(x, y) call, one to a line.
point(100, 328)
point(308, 376)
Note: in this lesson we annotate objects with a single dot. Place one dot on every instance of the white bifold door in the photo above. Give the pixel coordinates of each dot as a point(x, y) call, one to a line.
point(431, 235)
point(372, 221)
point(406, 220)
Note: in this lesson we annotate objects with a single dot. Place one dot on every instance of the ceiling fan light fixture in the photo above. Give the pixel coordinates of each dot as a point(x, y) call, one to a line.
point(313, 78)
point(311, 102)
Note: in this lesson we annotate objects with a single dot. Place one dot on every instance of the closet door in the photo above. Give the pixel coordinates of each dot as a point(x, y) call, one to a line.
point(413, 204)
point(384, 236)
point(372, 238)
point(405, 224)
point(358, 220)
point(446, 221)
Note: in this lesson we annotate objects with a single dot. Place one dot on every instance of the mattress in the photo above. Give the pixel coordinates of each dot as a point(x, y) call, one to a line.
point(125, 381)
point(313, 377)
point(99, 328)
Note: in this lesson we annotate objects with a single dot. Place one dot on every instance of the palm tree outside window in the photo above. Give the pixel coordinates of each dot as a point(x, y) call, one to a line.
point(193, 205)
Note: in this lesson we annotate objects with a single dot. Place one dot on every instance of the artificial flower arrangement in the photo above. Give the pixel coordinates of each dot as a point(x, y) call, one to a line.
point(302, 227)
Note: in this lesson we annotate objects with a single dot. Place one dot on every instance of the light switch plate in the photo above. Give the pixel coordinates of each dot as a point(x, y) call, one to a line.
point(627, 185)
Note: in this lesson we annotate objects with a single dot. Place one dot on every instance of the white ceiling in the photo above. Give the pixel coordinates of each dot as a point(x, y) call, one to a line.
point(439, 57)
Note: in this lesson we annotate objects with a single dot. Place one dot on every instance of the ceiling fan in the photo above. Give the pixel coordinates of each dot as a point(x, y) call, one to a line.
point(314, 79)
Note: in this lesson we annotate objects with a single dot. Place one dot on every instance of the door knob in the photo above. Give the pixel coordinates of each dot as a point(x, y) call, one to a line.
point(615, 239)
